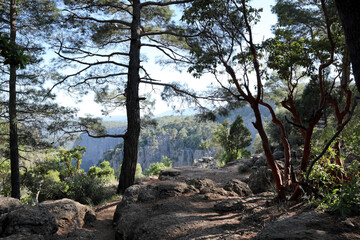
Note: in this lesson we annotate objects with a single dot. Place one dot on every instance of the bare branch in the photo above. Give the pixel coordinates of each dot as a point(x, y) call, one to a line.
point(163, 4)
point(114, 21)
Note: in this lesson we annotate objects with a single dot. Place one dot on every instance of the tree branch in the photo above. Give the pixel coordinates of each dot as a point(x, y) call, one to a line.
point(114, 21)
point(163, 4)
point(341, 127)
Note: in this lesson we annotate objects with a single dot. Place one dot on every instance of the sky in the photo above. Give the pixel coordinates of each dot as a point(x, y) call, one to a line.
point(87, 106)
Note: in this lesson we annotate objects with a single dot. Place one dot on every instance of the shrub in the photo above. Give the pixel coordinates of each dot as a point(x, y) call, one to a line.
point(339, 195)
point(245, 153)
point(87, 190)
point(155, 168)
point(138, 172)
point(104, 172)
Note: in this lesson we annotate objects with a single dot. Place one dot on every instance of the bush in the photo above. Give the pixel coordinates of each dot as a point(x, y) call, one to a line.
point(59, 176)
point(339, 194)
point(245, 153)
point(87, 190)
point(155, 168)
point(104, 172)
point(138, 172)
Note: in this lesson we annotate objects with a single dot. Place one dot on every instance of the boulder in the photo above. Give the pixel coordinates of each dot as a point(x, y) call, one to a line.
point(29, 220)
point(261, 180)
point(169, 172)
point(201, 183)
point(278, 155)
point(206, 186)
point(205, 162)
point(68, 213)
point(171, 189)
point(7, 204)
point(131, 193)
point(239, 187)
point(261, 161)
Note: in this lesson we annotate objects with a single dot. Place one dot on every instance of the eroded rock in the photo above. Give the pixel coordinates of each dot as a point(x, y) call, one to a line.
point(68, 213)
point(260, 180)
point(29, 220)
point(239, 187)
point(7, 204)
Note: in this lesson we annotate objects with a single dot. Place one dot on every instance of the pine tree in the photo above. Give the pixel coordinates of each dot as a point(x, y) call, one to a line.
point(26, 106)
point(109, 35)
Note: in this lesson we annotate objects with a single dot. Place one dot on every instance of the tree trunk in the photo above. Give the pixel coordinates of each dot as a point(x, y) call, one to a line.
point(268, 154)
point(349, 14)
point(14, 151)
point(127, 175)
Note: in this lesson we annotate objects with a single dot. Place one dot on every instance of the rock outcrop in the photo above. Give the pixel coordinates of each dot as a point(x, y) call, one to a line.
point(7, 204)
point(309, 225)
point(42, 222)
point(179, 206)
point(28, 220)
point(69, 214)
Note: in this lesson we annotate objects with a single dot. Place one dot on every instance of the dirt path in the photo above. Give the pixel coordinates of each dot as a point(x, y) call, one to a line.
point(103, 226)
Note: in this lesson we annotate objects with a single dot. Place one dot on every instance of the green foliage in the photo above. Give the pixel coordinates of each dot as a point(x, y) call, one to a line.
point(232, 140)
point(225, 24)
point(87, 190)
point(350, 137)
point(239, 135)
point(138, 172)
point(68, 160)
point(60, 176)
point(103, 172)
point(155, 168)
point(339, 194)
point(12, 53)
point(245, 153)
point(257, 145)
point(188, 132)
point(5, 169)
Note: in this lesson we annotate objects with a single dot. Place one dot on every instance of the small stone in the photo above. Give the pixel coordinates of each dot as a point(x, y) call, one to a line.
point(349, 223)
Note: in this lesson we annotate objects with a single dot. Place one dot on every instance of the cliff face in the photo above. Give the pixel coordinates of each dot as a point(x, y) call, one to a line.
point(95, 147)
point(171, 148)
point(152, 153)
point(175, 137)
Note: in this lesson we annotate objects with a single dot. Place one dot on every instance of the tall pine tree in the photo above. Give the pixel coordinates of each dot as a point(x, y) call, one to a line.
point(106, 41)
point(26, 106)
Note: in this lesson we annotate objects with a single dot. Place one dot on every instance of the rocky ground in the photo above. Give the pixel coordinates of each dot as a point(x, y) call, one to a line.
point(183, 203)
point(194, 203)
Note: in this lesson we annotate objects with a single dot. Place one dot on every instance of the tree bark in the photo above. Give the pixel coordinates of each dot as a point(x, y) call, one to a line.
point(131, 139)
point(14, 149)
point(349, 14)
point(267, 150)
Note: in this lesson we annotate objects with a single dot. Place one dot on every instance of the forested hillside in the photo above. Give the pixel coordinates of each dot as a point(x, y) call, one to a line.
point(176, 137)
